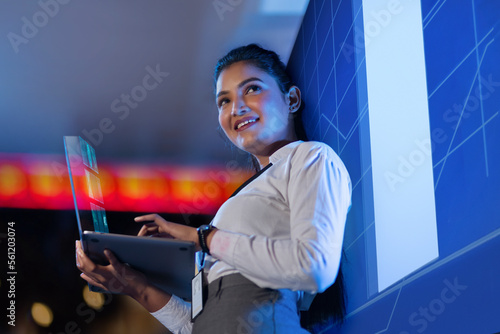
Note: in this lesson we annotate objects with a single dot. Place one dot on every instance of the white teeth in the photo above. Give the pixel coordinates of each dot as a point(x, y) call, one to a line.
point(245, 123)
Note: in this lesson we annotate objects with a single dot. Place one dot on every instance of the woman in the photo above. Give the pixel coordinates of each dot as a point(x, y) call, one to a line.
point(277, 241)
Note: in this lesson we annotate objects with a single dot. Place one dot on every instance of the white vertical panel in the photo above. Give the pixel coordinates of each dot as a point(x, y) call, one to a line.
point(403, 186)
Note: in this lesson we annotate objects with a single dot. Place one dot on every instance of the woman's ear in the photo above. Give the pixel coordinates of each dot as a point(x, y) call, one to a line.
point(293, 99)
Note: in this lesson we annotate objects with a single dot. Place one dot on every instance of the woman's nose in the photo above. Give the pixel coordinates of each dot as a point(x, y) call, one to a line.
point(239, 108)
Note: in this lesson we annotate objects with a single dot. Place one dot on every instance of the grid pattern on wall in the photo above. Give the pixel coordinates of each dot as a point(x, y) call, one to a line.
point(329, 69)
point(463, 78)
point(462, 44)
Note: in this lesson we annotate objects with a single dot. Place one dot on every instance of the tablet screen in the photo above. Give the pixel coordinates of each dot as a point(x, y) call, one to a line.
point(86, 185)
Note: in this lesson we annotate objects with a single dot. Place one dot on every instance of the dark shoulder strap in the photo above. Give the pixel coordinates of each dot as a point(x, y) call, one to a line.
point(250, 180)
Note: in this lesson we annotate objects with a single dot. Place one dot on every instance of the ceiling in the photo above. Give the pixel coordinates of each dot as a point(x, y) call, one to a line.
point(84, 68)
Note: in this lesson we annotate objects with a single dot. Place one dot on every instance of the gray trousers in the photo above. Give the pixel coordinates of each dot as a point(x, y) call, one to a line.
point(235, 305)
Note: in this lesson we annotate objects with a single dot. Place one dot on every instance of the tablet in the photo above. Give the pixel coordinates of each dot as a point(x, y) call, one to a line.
point(169, 264)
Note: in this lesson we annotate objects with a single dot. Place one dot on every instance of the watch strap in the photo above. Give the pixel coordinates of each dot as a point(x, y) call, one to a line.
point(203, 232)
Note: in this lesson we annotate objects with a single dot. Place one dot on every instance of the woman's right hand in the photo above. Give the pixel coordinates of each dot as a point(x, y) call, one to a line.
point(120, 278)
point(156, 226)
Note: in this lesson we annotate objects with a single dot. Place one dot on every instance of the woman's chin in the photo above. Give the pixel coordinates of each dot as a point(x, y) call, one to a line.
point(249, 145)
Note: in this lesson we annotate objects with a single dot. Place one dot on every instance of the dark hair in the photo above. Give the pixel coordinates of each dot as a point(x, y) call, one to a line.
point(266, 60)
point(328, 306)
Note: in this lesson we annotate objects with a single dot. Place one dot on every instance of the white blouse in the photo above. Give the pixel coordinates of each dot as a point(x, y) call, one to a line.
point(284, 230)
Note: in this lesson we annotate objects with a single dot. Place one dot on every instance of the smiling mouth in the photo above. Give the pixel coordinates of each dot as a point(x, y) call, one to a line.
point(240, 126)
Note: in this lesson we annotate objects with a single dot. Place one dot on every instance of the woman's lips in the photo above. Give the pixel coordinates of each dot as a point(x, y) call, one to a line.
point(245, 123)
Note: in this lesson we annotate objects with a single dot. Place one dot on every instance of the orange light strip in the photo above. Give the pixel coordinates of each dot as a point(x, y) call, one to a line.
point(42, 182)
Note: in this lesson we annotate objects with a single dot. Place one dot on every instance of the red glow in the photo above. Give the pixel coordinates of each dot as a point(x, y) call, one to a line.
point(42, 182)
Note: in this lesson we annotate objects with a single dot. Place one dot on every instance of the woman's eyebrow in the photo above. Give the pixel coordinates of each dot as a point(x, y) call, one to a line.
point(241, 84)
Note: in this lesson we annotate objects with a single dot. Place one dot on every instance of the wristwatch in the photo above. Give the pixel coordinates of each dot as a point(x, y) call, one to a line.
point(203, 232)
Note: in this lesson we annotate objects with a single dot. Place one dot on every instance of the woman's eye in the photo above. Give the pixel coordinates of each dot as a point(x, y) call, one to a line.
point(222, 102)
point(253, 88)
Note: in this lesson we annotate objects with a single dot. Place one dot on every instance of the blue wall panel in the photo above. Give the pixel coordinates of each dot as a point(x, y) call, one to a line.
point(459, 291)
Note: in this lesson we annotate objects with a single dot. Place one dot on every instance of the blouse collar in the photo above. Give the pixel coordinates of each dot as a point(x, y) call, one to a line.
point(283, 151)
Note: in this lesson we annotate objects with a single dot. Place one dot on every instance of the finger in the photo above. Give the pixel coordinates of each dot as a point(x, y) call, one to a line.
point(92, 281)
point(162, 224)
point(143, 231)
point(80, 254)
point(77, 246)
point(112, 259)
point(150, 217)
point(147, 229)
point(153, 217)
point(177, 231)
point(95, 277)
point(85, 264)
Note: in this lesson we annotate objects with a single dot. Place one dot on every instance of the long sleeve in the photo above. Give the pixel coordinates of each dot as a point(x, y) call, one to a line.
point(175, 315)
point(317, 191)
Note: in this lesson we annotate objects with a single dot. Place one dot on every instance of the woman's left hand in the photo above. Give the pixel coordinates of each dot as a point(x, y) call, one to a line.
point(115, 277)
point(159, 227)
point(120, 278)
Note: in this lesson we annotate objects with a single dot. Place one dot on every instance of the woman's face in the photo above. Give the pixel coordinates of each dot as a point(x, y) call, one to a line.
point(253, 112)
